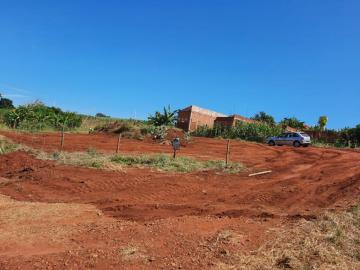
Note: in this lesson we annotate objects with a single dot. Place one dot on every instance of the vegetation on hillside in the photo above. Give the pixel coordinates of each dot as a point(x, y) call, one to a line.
point(38, 116)
point(246, 131)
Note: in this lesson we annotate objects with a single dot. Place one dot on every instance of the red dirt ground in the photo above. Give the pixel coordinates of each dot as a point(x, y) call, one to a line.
point(145, 219)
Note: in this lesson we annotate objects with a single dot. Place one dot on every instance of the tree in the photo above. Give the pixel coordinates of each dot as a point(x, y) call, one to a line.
point(265, 118)
point(292, 122)
point(6, 103)
point(101, 115)
point(323, 120)
point(167, 118)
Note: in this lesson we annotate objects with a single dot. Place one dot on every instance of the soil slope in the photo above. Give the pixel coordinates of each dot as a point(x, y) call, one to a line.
point(64, 216)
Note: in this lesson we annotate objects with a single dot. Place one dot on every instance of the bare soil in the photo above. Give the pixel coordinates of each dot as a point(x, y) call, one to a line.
point(64, 217)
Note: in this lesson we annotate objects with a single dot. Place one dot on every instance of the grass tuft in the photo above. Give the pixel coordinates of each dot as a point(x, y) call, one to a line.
point(180, 164)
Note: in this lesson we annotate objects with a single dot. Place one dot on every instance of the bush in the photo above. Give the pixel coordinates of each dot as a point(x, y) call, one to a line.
point(37, 116)
point(349, 137)
point(157, 133)
point(257, 132)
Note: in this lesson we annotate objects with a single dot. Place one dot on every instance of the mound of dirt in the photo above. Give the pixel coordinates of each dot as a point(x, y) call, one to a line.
point(173, 133)
point(131, 131)
point(106, 128)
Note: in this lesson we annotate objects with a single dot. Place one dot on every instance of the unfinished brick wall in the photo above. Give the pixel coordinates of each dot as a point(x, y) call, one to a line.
point(224, 121)
point(183, 120)
point(198, 119)
point(230, 121)
point(190, 118)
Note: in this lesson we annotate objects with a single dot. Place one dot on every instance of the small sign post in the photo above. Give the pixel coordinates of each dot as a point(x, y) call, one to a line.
point(176, 145)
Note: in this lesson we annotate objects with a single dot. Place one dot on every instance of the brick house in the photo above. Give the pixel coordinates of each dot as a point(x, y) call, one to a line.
point(230, 121)
point(192, 117)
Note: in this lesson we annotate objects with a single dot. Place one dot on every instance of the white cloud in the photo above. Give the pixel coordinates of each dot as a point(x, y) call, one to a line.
point(14, 96)
point(14, 88)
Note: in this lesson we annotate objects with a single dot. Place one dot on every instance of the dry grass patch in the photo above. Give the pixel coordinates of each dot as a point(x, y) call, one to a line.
point(330, 242)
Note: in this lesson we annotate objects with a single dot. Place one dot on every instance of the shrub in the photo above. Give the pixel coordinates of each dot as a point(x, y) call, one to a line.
point(246, 131)
point(157, 133)
point(37, 116)
point(350, 137)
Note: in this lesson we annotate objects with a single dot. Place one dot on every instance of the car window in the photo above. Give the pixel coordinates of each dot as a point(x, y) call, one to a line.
point(295, 135)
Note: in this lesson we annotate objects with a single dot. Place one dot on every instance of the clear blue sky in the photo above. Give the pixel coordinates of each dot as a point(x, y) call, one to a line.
point(129, 58)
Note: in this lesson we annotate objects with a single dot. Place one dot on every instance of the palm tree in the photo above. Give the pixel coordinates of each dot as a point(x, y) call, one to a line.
point(323, 120)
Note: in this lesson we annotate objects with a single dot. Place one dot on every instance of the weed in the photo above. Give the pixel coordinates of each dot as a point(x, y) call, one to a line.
point(92, 152)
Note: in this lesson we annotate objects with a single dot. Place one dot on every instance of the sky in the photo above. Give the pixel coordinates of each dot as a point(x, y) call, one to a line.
point(130, 58)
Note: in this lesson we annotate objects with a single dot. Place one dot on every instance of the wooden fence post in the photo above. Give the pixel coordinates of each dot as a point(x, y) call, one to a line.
point(62, 138)
point(118, 144)
point(227, 153)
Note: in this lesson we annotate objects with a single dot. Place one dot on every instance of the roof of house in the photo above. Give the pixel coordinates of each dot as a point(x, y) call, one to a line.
point(203, 111)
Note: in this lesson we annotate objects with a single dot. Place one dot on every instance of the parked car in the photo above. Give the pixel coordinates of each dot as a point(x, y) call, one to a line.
point(296, 139)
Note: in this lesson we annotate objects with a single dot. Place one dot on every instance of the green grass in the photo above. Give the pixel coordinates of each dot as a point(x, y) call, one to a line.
point(180, 164)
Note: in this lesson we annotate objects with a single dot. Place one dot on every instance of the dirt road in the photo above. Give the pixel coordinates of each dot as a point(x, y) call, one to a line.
point(140, 218)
